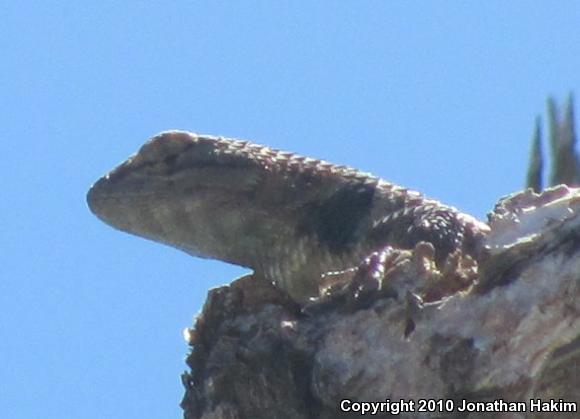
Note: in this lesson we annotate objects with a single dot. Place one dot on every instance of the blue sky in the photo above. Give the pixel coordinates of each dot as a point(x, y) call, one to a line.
point(437, 96)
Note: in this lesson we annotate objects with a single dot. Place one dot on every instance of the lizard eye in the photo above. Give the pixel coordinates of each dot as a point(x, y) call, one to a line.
point(170, 160)
point(164, 147)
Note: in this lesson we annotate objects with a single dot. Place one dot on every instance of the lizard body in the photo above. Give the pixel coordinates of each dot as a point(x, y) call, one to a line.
point(289, 218)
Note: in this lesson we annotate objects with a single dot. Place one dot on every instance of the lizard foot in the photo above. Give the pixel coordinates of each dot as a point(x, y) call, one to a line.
point(403, 275)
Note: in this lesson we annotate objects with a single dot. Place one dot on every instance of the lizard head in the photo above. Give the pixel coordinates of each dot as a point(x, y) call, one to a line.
point(179, 189)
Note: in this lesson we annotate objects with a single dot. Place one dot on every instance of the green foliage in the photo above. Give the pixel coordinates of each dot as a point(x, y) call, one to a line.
point(565, 166)
point(536, 164)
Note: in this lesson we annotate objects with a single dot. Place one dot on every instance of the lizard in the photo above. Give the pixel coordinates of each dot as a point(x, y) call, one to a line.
point(289, 218)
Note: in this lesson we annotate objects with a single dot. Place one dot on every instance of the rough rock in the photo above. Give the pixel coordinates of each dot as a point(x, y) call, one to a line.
point(505, 327)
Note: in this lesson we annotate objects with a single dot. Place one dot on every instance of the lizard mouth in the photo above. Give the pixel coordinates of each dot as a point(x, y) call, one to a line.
point(131, 212)
point(96, 196)
point(105, 203)
point(117, 199)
